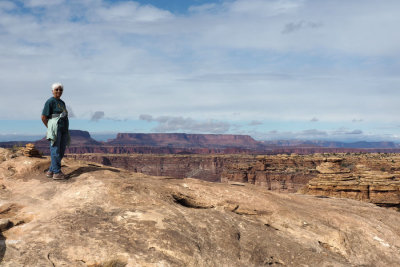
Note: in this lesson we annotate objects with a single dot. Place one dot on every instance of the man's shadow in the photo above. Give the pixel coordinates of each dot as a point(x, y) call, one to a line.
point(2, 247)
point(91, 168)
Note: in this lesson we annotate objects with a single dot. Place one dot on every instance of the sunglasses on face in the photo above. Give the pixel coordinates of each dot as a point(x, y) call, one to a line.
point(58, 90)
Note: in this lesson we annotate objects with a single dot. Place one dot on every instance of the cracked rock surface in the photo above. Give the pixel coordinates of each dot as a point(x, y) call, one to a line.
point(103, 215)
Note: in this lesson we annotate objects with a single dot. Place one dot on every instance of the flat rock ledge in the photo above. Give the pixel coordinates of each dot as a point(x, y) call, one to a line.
point(103, 216)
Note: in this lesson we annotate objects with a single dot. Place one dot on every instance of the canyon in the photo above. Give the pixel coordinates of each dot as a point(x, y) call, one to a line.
point(106, 216)
point(371, 177)
point(282, 173)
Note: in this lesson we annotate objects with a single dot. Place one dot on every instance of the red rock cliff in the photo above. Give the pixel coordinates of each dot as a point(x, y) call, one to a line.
point(185, 140)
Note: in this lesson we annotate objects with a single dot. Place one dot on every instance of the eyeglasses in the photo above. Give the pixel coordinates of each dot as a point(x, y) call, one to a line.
point(58, 89)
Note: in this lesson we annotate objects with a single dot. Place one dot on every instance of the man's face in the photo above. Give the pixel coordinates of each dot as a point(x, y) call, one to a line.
point(58, 92)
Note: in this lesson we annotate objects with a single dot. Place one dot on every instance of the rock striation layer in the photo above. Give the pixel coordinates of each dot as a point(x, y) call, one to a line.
point(102, 216)
point(372, 178)
point(283, 173)
point(355, 176)
point(276, 172)
point(205, 167)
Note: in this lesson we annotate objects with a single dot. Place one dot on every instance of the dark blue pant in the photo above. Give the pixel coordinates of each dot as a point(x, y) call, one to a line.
point(57, 151)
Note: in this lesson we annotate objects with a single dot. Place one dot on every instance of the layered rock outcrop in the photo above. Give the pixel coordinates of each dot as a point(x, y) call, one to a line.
point(102, 216)
point(204, 167)
point(284, 173)
point(281, 172)
point(373, 178)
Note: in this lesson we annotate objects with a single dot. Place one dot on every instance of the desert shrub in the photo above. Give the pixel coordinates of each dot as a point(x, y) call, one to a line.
point(111, 263)
point(16, 147)
point(347, 165)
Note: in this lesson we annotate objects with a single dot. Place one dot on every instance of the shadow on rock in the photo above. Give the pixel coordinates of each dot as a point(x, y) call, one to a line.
point(82, 170)
point(2, 247)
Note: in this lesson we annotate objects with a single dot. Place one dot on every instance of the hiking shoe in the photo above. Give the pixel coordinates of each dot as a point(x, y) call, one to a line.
point(59, 176)
point(49, 174)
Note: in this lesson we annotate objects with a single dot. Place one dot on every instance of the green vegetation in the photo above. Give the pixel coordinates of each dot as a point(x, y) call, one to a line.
point(347, 165)
point(16, 147)
point(111, 263)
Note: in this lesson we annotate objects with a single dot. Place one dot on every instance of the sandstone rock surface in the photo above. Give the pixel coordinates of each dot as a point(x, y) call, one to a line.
point(103, 214)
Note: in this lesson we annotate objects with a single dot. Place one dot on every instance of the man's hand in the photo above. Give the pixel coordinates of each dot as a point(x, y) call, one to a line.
point(45, 120)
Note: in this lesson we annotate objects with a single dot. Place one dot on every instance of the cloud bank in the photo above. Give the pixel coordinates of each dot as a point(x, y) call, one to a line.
point(221, 62)
point(169, 124)
point(98, 115)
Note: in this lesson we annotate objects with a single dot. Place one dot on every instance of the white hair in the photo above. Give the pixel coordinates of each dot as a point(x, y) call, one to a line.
point(56, 85)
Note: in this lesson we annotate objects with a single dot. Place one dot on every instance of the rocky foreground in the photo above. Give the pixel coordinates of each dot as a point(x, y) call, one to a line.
point(371, 177)
point(104, 216)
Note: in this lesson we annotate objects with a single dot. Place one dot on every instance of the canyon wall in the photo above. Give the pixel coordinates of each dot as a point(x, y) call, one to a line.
point(276, 172)
point(372, 178)
point(284, 173)
point(132, 149)
point(205, 167)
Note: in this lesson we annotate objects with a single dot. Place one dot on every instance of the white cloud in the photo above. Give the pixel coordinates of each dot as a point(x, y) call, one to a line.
point(297, 26)
point(7, 5)
point(264, 8)
point(219, 59)
point(42, 3)
point(203, 8)
point(314, 134)
point(255, 123)
point(127, 12)
point(355, 132)
point(98, 115)
point(170, 123)
point(71, 113)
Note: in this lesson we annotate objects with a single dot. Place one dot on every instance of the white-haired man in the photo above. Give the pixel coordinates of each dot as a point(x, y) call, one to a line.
point(55, 118)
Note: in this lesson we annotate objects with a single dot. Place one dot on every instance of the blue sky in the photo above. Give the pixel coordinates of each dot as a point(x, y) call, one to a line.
point(273, 69)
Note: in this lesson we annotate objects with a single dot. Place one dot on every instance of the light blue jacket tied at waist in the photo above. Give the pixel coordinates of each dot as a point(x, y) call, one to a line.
point(52, 127)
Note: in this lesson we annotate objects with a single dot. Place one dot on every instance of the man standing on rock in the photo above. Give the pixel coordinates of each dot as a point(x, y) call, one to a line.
point(55, 118)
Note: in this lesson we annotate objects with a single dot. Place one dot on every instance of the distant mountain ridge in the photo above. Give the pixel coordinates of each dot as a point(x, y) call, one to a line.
point(182, 143)
point(185, 140)
point(332, 144)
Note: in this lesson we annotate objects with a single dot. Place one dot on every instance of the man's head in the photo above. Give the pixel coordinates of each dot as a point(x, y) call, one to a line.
point(57, 89)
